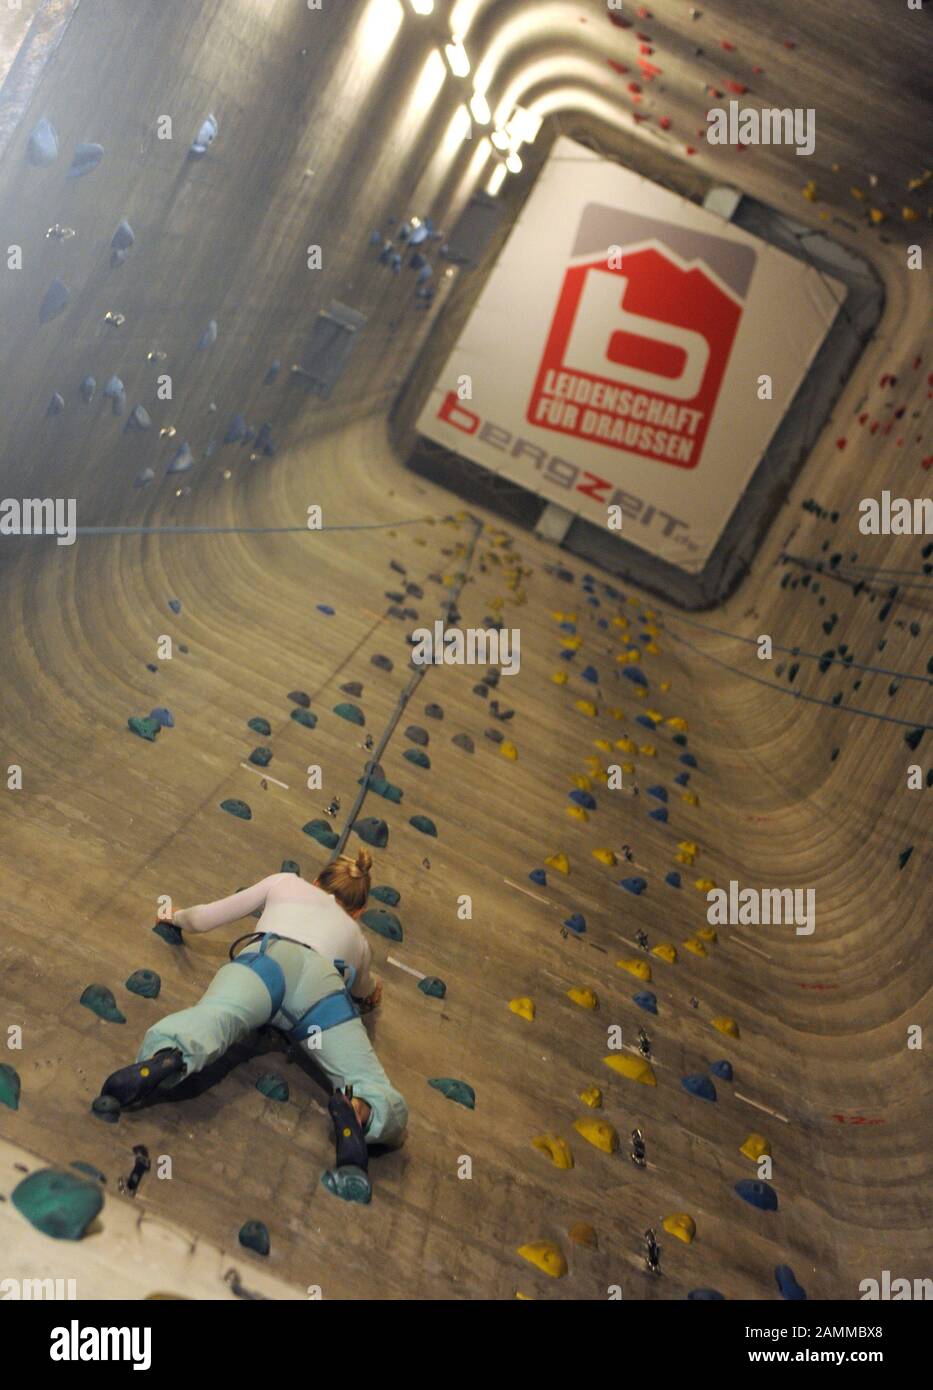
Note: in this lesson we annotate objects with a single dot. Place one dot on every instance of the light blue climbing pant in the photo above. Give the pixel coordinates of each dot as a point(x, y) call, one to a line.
point(236, 1002)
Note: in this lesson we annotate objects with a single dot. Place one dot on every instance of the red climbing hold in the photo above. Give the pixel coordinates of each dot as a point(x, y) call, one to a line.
point(634, 87)
point(841, 443)
point(714, 92)
point(863, 417)
point(619, 22)
point(644, 13)
point(757, 70)
point(617, 67)
point(648, 70)
point(729, 47)
point(690, 150)
point(664, 122)
point(646, 49)
point(927, 462)
point(645, 38)
point(738, 87)
point(790, 43)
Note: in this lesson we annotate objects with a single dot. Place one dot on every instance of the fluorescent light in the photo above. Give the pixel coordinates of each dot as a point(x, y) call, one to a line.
point(380, 24)
point(422, 6)
point(496, 180)
point(457, 131)
point(430, 81)
point(513, 163)
point(480, 108)
point(500, 140)
point(457, 58)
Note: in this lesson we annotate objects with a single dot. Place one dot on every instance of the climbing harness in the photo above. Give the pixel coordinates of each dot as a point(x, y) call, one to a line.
point(335, 1008)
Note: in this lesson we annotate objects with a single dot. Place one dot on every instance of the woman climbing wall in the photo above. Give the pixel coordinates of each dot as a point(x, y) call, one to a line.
point(309, 976)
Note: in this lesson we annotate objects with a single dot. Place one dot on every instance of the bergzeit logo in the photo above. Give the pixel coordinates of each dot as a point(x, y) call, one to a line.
point(641, 335)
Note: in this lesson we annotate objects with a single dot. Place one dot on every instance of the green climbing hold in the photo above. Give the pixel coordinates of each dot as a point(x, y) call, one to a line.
point(100, 1000)
point(273, 1087)
point(351, 712)
point(373, 831)
point(144, 982)
point(455, 1090)
point(10, 1086)
point(320, 830)
point(57, 1203)
point(168, 932)
point(349, 1183)
point(145, 728)
point(106, 1108)
point(433, 986)
point(385, 894)
point(259, 726)
point(237, 808)
point(305, 717)
point(290, 867)
point(381, 787)
point(385, 923)
point(261, 757)
point(255, 1236)
point(426, 826)
point(88, 1169)
point(417, 756)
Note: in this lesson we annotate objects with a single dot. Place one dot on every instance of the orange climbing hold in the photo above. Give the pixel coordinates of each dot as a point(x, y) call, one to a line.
point(583, 1234)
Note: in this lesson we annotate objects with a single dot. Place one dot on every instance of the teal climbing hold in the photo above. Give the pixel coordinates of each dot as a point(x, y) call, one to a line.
point(458, 1091)
point(381, 787)
point(904, 855)
point(433, 986)
point(416, 734)
point(273, 1087)
point(373, 831)
point(145, 983)
point(424, 824)
point(99, 999)
point(261, 757)
point(289, 866)
point(168, 932)
point(352, 713)
point(88, 1169)
point(59, 1204)
point(236, 808)
point(387, 895)
point(10, 1086)
point(349, 1183)
point(305, 717)
point(320, 830)
point(417, 756)
point(144, 728)
point(385, 923)
point(254, 1235)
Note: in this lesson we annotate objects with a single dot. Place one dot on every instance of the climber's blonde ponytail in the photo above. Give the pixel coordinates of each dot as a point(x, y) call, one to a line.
point(348, 880)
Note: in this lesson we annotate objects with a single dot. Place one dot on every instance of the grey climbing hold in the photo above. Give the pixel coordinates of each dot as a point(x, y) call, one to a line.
point(454, 1090)
point(42, 149)
point(236, 430)
point(434, 711)
point(261, 757)
point(236, 808)
point(55, 301)
point(272, 373)
point(384, 663)
point(183, 460)
point(259, 726)
point(320, 830)
point(352, 713)
point(495, 735)
point(123, 238)
point(145, 983)
point(205, 137)
point(143, 728)
point(254, 1235)
point(106, 1108)
point(352, 688)
point(175, 605)
point(56, 405)
point(384, 894)
point(168, 932)
point(373, 831)
point(433, 986)
point(10, 1086)
point(417, 756)
point(305, 717)
point(99, 999)
point(86, 160)
point(289, 866)
point(209, 337)
point(86, 389)
point(349, 1183)
point(273, 1087)
point(463, 741)
point(424, 824)
point(59, 1204)
point(300, 697)
point(139, 421)
point(383, 923)
point(116, 393)
point(416, 734)
point(143, 477)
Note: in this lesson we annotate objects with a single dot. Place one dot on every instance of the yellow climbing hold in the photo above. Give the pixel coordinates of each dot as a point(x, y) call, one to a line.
point(557, 1149)
point(584, 996)
point(707, 934)
point(592, 1096)
point(572, 644)
point(620, 622)
point(577, 813)
point(639, 968)
point(615, 712)
point(877, 216)
point(605, 856)
point(704, 885)
point(664, 687)
point(524, 1007)
point(695, 947)
point(599, 1133)
point(857, 192)
point(910, 214)
point(652, 631)
point(690, 798)
point(558, 861)
point(559, 678)
point(655, 714)
point(627, 767)
point(809, 191)
point(595, 766)
point(634, 1068)
point(583, 784)
point(508, 750)
point(665, 952)
point(755, 1146)
point(626, 745)
point(603, 744)
point(688, 847)
point(726, 1025)
point(680, 1225)
point(583, 1234)
point(586, 707)
point(525, 1297)
point(546, 1256)
point(652, 648)
point(648, 750)
point(677, 723)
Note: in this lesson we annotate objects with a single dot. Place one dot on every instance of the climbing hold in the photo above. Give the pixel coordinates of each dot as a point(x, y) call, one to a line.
point(10, 1086)
point(205, 137)
point(454, 1090)
point(349, 1183)
point(99, 999)
point(758, 1194)
point(326, 609)
point(558, 861)
point(300, 697)
point(904, 855)
point(259, 726)
point(289, 866)
point(120, 243)
point(384, 923)
point(754, 1147)
point(56, 405)
point(703, 885)
point(688, 760)
point(183, 460)
point(706, 1295)
point(726, 1025)
point(673, 879)
point(538, 876)
point(546, 1256)
point(634, 885)
point(557, 1149)
point(261, 757)
point(560, 678)
point(707, 934)
point(576, 922)
point(508, 750)
point(605, 856)
point(525, 1008)
point(659, 793)
point(583, 799)
point(380, 786)
point(54, 302)
point(433, 986)
point(695, 946)
point(699, 1085)
point(372, 831)
point(681, 1225)
point(722, 1069)
point(593, 1097)
point(145, 983)
point(434, 711)
point(115, 393)
point(86, 160)
point(578, 813)
point(660, 814)
point(209, 337)
point(255, 1236)
point(42, 149)
point(583, 1234)
point(138, 422)
point(384, 663)
point(304, 717)
point(236, 808)
point(417, 756)
point(168, 932)
point(599, 1133)
point(416, 734)
point(424, 824)
point(384, 894)
point(86, 389)
point(272, 1086)
point(633, 1068)
point(582, 995)
point(586, 707)
point(272, 373)
point(352, 713)
point(647, 1001)
point(787, 1283)
point(637, 967)
point(320, 830)
point(59, 1204)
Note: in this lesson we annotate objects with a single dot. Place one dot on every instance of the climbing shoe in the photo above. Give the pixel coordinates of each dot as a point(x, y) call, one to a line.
point(135, 1082)
point(348, 1135)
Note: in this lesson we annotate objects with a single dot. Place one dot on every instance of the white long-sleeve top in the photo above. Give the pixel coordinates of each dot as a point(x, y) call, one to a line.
point(297, 911)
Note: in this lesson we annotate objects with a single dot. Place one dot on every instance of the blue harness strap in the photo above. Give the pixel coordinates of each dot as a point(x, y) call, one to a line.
point(337, 1007)
point(269, 971)
point(326, 1013)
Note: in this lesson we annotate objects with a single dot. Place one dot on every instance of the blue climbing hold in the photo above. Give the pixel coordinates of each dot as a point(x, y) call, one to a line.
point(722, 1069)
point(660, 814)
point(204, 138)
point(384, 923)
point(634, 885)
point(175, 605)
point(417, 756)
point(568, 627)
point(787, 1283)
point(454, 1090)
point(632, 673)
point(56, 405)
point(42, 149)
point(115, 392)
point(272, 373)
point(680, 740)
point(659, 793)
point(261, 757)
point(538, 876)
point(590, 673)
point(352, 713)
point(99, 999)
point(86, 160)
point(384, 894)
point(259, 726)
point(673, 879)
point(706, 1296)
point(758, 1194)
point(682, 779)
point(688, 760)
point(576, 922)
point(584, 799)
point(163, 717)
point(145, 983)
point(86, 389)
point(209, 337)
point(234, 807)
point(121, 241)
point(326, 609)
point(645, 722)
point(647, 1001)
point(55, 301)
point(139, 421)
point(431, 985)
point(424, 824)
point(236, 430)
point(183, 460)
point(305, 717)
point(699, 1085)
point(320, 830)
